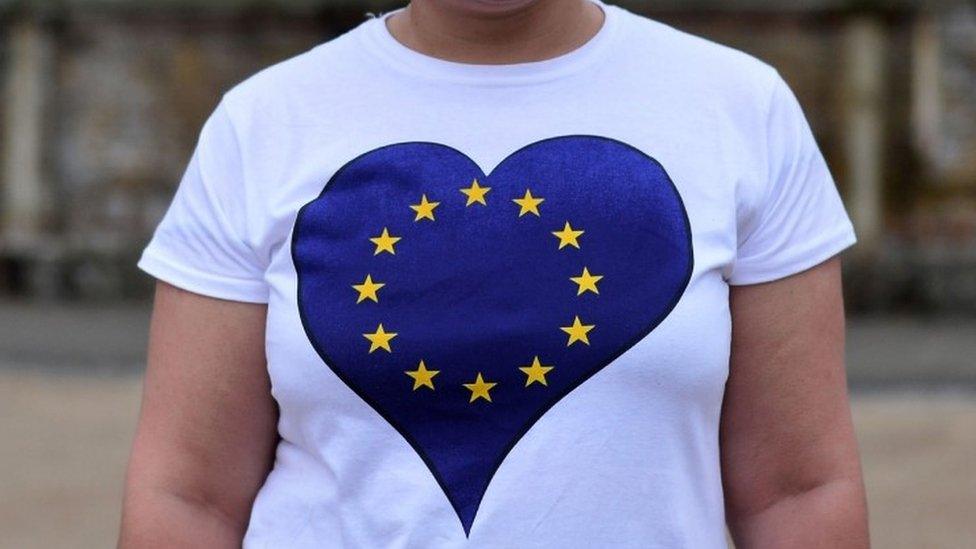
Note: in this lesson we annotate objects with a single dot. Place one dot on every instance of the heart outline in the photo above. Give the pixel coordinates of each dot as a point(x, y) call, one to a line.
point(550, 402)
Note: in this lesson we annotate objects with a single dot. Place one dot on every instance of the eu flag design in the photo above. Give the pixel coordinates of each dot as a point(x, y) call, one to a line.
point(462, 306)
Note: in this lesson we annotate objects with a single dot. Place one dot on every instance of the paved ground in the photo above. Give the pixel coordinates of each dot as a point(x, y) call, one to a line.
point(67, 438)
point(69, 394)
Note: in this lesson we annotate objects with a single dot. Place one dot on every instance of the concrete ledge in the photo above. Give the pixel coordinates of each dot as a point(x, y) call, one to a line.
point(885, 352)
point(85, 339)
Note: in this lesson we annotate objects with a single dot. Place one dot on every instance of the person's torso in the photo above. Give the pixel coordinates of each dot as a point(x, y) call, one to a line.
point(579, 375)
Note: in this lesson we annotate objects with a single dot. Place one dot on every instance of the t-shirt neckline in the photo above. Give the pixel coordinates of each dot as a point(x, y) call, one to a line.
point(379, 40)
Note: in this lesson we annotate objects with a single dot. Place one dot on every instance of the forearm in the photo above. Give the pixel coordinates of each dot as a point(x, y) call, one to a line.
point(830, 515)
point(157, 517)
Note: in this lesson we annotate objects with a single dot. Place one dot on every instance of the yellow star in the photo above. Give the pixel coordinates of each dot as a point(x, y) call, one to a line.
point(568, 236)
point(380, 339)
point(425, 210)
point(367, 290)
point(586, 281)
point(528, 203)
point(536, 372)
point(422, 377)
point(384, 242)
point(479, 389)
point(476, 193)
point(578, 331)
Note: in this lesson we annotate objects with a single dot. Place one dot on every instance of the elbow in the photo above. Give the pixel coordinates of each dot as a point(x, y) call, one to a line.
point(826, 512)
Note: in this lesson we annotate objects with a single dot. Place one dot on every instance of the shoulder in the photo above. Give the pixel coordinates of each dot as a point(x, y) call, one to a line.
point(286, 91)
point(697, 64)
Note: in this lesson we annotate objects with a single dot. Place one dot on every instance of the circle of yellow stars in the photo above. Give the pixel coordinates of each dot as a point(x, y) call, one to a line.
point(476, 195)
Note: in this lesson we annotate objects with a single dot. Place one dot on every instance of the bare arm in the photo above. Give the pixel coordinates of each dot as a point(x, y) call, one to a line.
point(206, 432)
point(790, 464)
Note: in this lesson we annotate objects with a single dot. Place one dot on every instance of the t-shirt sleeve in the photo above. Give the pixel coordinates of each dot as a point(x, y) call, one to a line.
point(201, 244)
point(799, 220)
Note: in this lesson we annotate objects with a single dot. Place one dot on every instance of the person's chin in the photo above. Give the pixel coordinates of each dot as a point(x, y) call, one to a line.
point(489, 7)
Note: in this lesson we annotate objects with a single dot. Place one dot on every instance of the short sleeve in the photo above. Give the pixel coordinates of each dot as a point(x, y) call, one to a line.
point(800, 220)
point(201, 243)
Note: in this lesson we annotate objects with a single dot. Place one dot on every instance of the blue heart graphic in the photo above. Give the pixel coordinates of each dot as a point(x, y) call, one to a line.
point(496, 291)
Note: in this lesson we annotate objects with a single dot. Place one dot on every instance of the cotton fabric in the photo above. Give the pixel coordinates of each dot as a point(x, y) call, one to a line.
point(630, 457)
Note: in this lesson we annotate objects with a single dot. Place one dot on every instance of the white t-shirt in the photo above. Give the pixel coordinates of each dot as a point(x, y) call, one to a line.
point(498, 294)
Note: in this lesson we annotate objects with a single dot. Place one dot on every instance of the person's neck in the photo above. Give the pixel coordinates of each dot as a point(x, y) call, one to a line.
point(541, 30)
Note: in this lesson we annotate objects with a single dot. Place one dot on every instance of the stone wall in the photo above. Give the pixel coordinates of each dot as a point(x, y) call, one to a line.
point(133, 93)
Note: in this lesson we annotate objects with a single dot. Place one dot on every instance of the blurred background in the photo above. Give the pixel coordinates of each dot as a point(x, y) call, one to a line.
point(100, 105)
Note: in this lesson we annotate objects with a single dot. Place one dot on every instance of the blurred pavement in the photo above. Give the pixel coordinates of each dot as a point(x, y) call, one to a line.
point(69, 395)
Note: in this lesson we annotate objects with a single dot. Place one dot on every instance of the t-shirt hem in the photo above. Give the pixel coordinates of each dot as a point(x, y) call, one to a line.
point(207, 284)
point(810, 259)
